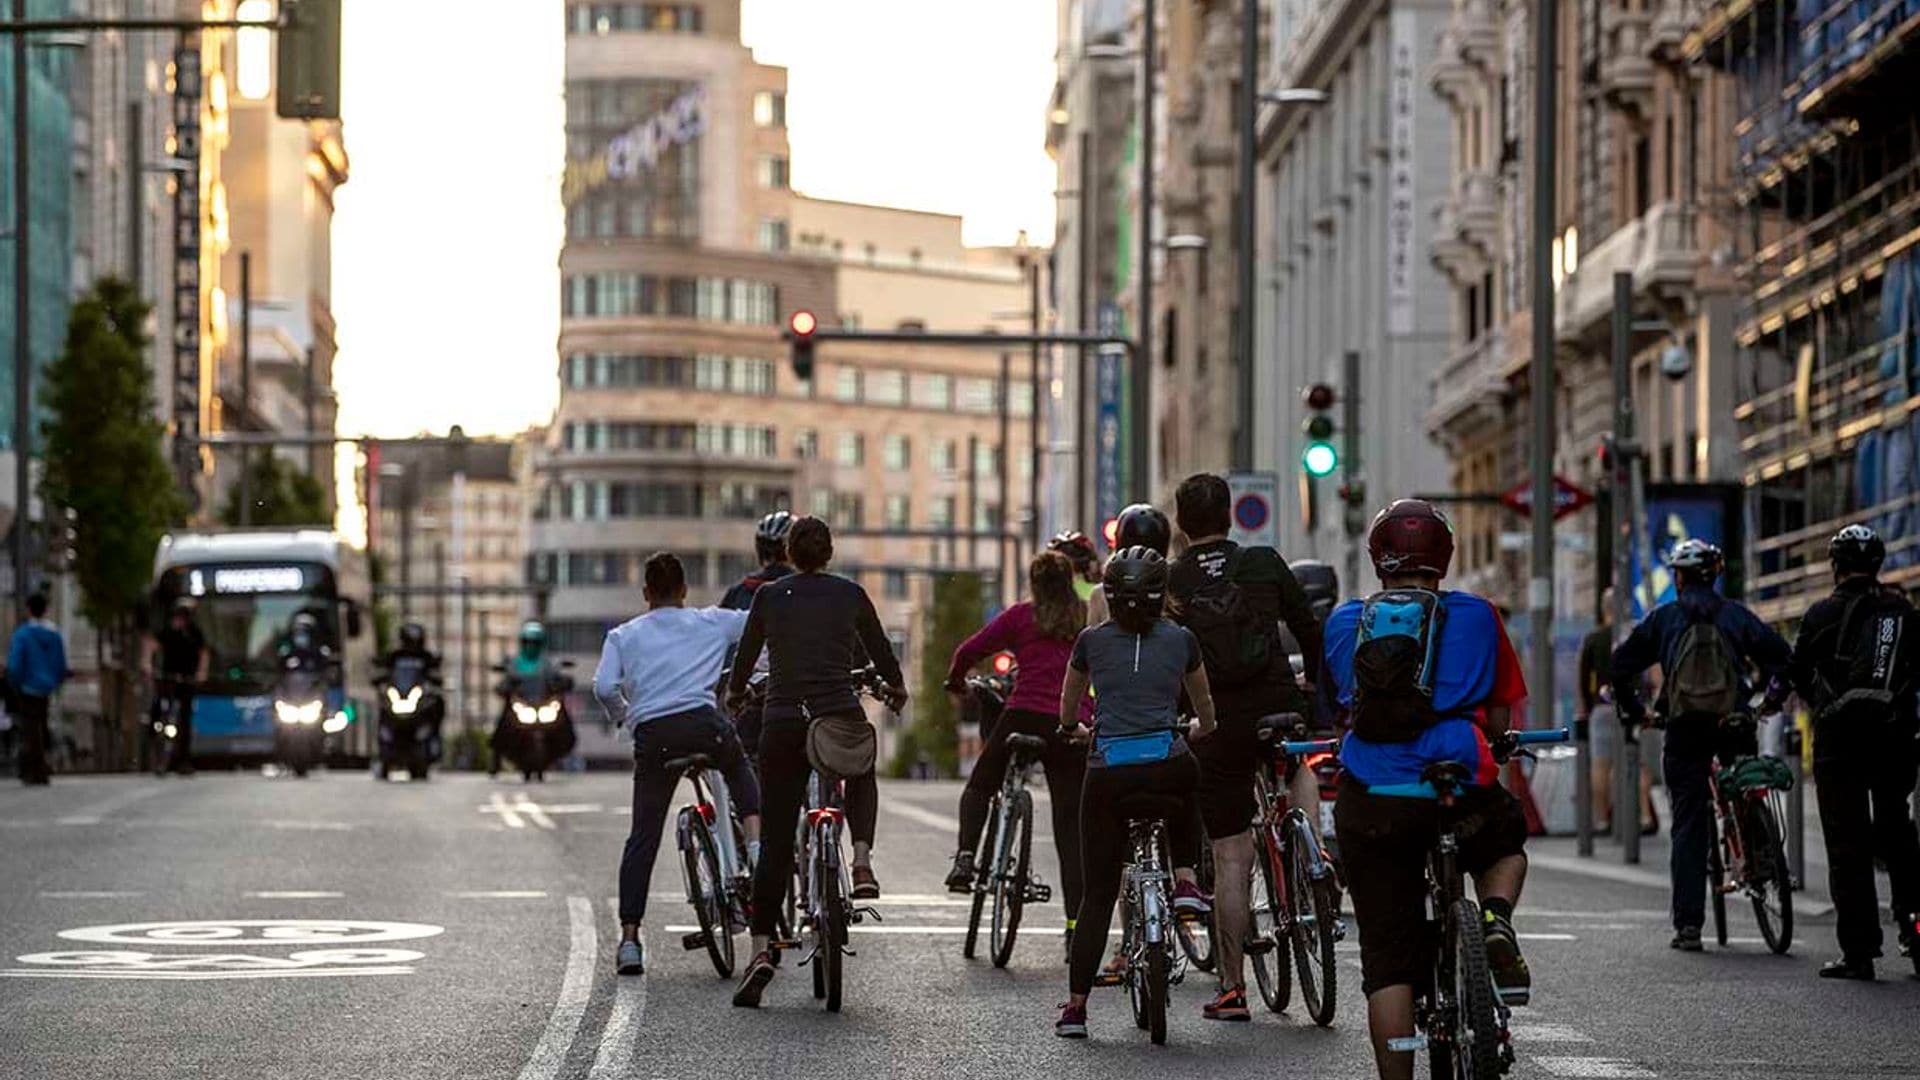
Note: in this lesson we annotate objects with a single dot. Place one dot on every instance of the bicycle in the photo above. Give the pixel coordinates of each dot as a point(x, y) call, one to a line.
point(1748, 854)
point(1147, 942)
point(717, 878)
point(1003, 865)
point(163, 738)
point(1296, 899)
point(1196, 933)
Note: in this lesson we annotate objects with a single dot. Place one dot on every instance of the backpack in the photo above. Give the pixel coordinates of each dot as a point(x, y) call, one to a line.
point(1236, 642)
point(1395, 661)
point(1866, 653)
point(1705, 679)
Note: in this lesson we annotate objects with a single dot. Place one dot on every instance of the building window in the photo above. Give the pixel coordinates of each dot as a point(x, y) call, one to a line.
point(846, 384)
point(770, 109)
point(849, 510)
point(851, 448)
point(1020, 394)
point(886, 388)
point(896, 453)
point(933, 391)
point(773, 235)
point(898, 512)
point(807, 446)
point(720, 300)
point(979, 395)
point(895, 588)
point(941, 514)
point(987, 459)
point(771, 170)
point(820, 504)
point(986, 517)
point(941, 454)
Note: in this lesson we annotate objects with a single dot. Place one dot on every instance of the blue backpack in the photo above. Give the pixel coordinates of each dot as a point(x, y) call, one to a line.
point(1395, 661)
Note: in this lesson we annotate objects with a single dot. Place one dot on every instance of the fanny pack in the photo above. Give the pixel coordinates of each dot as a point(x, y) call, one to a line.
point(842, 744)
point(1134, 749)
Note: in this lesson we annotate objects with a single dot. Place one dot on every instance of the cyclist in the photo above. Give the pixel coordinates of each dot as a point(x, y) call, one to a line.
point(1454, 646)
point(1138, 663)
point(1041, 633)
point(1703, 644)
point(1086, 561)
point(770, 547)
point(1139, 525)
point(814, 626)
point(183, 658)
point(1234, 600)
point(1855, 662)
point(657, 675)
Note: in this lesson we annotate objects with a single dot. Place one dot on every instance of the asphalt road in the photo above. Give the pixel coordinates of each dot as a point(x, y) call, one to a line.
point(337, 927)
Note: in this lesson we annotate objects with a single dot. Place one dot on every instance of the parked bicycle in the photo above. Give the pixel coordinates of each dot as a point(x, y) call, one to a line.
point(1748, 854)
point(1004, 862)
point(1296, 901)
point(714, 866)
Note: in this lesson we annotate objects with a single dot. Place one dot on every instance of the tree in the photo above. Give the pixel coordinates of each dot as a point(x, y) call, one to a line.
point(281, 494)
point(934, 736)
point(104, 465)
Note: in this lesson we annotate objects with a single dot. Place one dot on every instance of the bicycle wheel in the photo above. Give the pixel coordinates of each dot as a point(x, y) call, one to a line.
point(706, 890)
point(1717, 886)
point(1136, 970)
point(982, 877)
point(1770, 882)
point(831, 935)
point(1272, 967)
point(1156, 995)
point(1196, 936)
point(1010, 885)
point(1476, 1049)
point(1312, 909)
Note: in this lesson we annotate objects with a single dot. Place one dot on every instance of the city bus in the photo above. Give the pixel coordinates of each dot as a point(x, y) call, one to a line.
point(246, 585)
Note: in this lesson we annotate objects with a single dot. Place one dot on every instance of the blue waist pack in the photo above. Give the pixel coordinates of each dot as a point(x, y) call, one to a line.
point(1134, 749)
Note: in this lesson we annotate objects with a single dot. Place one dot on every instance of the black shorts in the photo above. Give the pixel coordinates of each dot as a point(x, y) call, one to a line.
point(1228, 759)
point(1384, 843)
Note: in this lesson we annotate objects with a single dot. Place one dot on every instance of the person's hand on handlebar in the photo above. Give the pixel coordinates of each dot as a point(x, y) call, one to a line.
point(894, 697)
point(1203, 727)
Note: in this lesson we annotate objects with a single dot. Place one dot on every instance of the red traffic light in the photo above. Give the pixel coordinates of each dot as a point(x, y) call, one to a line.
point(802, 323)
point(1002, 663)
point(1111, 531)
point(1320, 396)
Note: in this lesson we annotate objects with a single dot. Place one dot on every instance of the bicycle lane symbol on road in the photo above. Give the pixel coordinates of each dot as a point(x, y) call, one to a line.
point(221, 949)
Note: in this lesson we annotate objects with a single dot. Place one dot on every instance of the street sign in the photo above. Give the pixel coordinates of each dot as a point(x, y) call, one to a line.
point(1254, 496)
point(1568, 498)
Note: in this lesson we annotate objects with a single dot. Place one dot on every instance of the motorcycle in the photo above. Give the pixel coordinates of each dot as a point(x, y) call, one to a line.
point(301, 721)
point(411, 711)
point(536, 729)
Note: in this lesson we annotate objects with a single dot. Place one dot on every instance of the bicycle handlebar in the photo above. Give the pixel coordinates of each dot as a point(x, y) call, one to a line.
point(1554, 735)
point(1311, 746)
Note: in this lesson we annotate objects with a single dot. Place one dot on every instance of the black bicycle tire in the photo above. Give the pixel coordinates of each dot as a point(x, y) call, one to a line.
point(1136, 971)
point(1009, 891)
point(1157, 990)
point(1779, 939)
point(1717, 887)
point(1475, 1029)
point(709, 910)
point(834, 911)
point(1309, 896)
point(1272, 969)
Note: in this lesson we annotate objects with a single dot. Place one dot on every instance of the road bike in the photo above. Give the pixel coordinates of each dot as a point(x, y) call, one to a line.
point(712, 846)
point(163, 737)
point(1748, 854)
point(1003, 865)
point(1296, 900)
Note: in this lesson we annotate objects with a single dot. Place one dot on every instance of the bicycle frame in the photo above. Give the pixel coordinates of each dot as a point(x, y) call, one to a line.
point(1149, 889)
point(820, 826)
point(713, 800)
point(992, 867)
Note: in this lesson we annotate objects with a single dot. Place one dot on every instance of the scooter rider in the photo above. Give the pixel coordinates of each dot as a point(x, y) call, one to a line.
point(530, 672)
point(770, 546)
point(1856, 662)
point(183, 662)
point(411, 647)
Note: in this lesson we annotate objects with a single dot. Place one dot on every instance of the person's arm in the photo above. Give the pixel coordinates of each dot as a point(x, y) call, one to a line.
point(753, 638)
point(1631, 657)
point(1509, 683)
point(607, 687)
point(1764, 646)
point(873, 636)
point(203, 663)
point(989, 639)
point(1097, 607)
point(1589, 678)
point(16, 654)
point(1800, 661)
point(1073, 690)
point(1199, 694)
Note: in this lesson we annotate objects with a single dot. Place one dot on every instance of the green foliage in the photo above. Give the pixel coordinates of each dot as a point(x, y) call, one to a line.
point(958, 609)
point(102, 441)
point(282, 495)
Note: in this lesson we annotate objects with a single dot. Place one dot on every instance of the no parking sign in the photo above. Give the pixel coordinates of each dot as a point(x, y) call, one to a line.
point(1253, 508)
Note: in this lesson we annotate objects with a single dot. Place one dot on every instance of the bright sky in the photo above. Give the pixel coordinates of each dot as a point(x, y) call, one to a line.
point(445, 240)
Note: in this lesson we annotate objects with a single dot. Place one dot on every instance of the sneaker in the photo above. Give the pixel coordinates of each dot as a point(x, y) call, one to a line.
point(754, 982)
point(1115, 973)
point(960, 878)
point(1858, 970)
point(630, 959)
point(1510, 974)
point(865, 885)
point(1189, 902)
point(1231, 1004)
point(1072, 1023)
point(1687, 939)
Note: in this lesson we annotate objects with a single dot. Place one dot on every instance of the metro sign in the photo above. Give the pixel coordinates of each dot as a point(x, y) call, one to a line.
point(1568, 498)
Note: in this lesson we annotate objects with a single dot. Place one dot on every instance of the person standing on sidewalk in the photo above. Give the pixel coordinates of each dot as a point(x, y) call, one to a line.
point(1856, 663)
point(1603, 725)
point(36, 667)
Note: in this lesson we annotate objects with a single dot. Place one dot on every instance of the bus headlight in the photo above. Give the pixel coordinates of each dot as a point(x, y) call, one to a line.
point(289, 713)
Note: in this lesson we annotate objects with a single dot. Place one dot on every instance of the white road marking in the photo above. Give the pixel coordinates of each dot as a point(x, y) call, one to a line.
point(295, 894)
point(226, 933)
point(1597, 1068)
point(623, 1025)
point(576, 986)
point(197, 976)
point(902, 808)
point(501, 894)
point(497, 804)
point(533, 811)
point(1547, 937)
point(89, 894)
point(1549, 1033)
point(95, 814)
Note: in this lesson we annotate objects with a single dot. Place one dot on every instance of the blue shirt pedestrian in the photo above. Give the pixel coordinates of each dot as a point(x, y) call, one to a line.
point(37, 659)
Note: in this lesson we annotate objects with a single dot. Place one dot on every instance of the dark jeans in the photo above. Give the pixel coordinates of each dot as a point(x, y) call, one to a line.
point(784, 770)
point(699, 731)
point(1105, 851)
point(1692, 744)
point(1864, 770)
point(30, 716)
point(1066, 768)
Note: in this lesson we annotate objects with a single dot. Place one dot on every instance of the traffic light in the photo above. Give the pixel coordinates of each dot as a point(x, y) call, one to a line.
point(308, 64)
point(800, 328)
point(1320, 457)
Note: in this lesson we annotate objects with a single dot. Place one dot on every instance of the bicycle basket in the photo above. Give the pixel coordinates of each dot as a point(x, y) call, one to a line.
point(1756, 773)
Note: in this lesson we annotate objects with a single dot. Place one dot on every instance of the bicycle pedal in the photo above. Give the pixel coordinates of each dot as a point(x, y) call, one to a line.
point(1106, 979)
point(1039, 894)
point(1407, 1045)
point(861, 914)
point(695, 941)
point(1260, 947)
point(779, 946)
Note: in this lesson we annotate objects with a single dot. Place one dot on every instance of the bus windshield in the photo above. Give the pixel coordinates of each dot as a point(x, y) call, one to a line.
point(245, 611)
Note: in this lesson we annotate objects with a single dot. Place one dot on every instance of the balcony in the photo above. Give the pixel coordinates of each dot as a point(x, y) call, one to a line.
point(1451, 76)
point(1626, 62)
point(1476, 28)
point(1467, 227)
point(1667, 36)
point(1660, 249)
point(1468, 391)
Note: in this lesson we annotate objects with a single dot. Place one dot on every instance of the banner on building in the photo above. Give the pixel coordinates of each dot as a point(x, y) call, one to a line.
point(1402, 220)
point(1676, 512)
point(1109, 442)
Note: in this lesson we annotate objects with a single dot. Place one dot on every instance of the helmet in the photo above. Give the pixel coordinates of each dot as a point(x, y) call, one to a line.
point(183, 608)
point(1411, 536)
point(533, 638)
point(770, 536)
point(303, 630)
point(1698, 557)
point(1135, 582)
point(1856, 549)
point(1075, 546)
point(413, 636)
point(1140, 525)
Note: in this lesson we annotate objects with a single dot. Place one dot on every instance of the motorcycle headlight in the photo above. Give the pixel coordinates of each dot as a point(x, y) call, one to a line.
point(171, 731)
point(525, 713)
point(335, 723)
point(549, 712)
point(403, 705)
point(289, 713)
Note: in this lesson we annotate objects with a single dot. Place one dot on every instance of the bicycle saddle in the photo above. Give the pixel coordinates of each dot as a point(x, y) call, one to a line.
point(1447, 774)
point(1279, 726)
point(1150, 807)
point(1032, 744)
point(680, 766)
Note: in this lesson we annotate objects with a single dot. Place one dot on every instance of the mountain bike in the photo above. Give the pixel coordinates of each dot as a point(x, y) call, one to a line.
point(1003, 865)
point(712, 849)
point(1147, 943)
point(1748, 855)
point(1295, 899)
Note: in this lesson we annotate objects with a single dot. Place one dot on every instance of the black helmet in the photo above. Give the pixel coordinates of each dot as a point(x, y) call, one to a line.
point(1136, 584)
point(303, 631)
point(182, 608)
point(1856, 549)
point(413, 636)
point(1074, 545)
point(1140, 525)
point(770, 536)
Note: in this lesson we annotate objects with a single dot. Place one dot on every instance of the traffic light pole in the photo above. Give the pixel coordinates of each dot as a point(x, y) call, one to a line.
point(1354, 490)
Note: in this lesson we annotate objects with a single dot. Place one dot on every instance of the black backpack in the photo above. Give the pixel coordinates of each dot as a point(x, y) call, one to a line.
point(1866, 655)
point(1236, 640)
point(1395, 660)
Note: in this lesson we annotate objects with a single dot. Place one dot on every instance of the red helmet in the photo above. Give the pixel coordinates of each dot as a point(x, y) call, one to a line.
point(1411, 537)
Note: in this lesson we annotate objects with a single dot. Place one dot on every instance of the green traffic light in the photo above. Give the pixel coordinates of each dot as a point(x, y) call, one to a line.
point(1320, 459)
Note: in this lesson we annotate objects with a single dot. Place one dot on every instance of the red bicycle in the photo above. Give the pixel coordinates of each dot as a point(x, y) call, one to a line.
point(1296, 900)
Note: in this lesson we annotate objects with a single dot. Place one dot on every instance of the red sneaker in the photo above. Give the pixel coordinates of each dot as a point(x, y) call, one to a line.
point(1231, 1004)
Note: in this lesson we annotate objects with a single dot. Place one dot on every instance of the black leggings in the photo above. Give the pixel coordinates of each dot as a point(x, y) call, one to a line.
point(784, 770)
point(1066, 767)
point(1104, 851)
